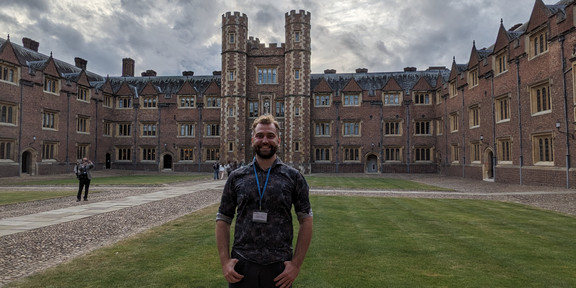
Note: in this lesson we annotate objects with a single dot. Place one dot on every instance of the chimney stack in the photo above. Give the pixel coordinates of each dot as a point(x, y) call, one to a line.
point(188, 73)
point(80, 63)
point(127, 67)
point(410, 69)
point(330, 71)
point(30, 44)
point(149, 73)
point(362, 70)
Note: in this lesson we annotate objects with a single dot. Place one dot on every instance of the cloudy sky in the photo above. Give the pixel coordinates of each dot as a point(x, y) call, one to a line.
point(171, 36)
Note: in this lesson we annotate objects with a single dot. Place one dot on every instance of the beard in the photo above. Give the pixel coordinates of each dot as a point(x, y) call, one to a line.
point(265, 154)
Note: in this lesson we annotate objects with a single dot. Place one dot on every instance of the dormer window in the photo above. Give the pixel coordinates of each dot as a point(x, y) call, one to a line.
point(539, 43)
point(51, 84)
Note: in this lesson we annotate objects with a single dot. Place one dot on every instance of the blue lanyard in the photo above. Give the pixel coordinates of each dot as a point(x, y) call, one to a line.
point(261, 193)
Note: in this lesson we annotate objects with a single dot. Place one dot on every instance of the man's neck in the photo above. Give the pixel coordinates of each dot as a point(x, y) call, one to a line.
point(265, 163)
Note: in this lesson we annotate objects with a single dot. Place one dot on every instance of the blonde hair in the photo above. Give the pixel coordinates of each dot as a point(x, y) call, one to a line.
point(265, 119)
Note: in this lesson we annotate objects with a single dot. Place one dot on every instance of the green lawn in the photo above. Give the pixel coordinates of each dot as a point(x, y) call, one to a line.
point(8, 196)
point(358, 242)
point(377, 183)
point(151, 179)
point(11, 197)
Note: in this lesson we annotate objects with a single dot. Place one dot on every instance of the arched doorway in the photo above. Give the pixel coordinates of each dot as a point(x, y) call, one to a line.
point(167, 160)
point(26, 162)
point(372, 164)
point(108, 160)
point(488, 167)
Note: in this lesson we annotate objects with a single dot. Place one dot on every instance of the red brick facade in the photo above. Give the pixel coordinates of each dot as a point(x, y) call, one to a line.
point(506, 115)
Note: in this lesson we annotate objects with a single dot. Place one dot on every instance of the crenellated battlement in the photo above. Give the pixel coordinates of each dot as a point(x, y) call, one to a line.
point(293, 13)
point(236, 14)
point(235, 18)
point(300, 16)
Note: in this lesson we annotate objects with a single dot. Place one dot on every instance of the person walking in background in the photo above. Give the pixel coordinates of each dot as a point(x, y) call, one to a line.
point(82, 170)
point(221, 169)
point(216, 168)
point(228, 169)
point(261, 195)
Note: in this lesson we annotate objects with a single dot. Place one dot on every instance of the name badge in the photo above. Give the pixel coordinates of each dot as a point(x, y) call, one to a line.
point(260, 217)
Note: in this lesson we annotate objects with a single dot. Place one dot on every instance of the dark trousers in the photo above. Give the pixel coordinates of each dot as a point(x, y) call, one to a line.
point(256, 275)
point(83, 183)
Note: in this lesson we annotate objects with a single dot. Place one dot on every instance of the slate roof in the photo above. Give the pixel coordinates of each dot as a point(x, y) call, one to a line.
point(37, 62)
point(376, 81)
point(168, 85)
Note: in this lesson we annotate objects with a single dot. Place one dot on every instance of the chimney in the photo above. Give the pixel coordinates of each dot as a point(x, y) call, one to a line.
point(149, 73)
point(30, 44)
point(330, 71)
point(188, 73)
point(409, 69)
point(127, 67)
point(433, 68)
point(216, 73)
point(80, 63)
point(361, 70)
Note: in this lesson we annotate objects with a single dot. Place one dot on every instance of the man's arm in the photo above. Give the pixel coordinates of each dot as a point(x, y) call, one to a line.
point(292, 268)
point(223, 243)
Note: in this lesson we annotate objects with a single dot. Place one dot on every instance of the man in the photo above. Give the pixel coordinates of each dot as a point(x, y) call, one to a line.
point(84, 176)
point(261, 195)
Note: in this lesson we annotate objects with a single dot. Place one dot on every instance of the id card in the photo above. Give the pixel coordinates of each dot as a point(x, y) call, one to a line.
point(260, 217)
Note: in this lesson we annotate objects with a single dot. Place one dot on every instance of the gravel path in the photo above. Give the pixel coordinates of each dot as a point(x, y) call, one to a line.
point(29, 252)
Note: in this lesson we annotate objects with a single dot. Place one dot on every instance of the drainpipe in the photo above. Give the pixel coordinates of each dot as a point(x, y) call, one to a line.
point(336, 153)
point(96, 132)
point(494, 144)
point(201, 128)
point(21, 114)
point(68, 131)
point(564, 71)
point(518, 83)
point(158, 136)
point(136, 130)
point(463, 125)
point(446, 120)
point(381, 145)
point(407, 104)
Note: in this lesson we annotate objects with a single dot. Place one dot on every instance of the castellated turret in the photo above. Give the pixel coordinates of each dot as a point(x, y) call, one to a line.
point(234, 48)
point(297, 89)
point(298, 30)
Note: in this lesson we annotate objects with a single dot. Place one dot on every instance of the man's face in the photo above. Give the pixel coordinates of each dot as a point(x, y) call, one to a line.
point(84, 160)
point(265, 140)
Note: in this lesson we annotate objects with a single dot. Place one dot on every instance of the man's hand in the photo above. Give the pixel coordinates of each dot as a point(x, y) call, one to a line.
point(229, 273)
point(287, 277)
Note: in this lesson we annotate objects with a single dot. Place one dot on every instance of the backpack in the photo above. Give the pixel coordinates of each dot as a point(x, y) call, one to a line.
point(81, 172)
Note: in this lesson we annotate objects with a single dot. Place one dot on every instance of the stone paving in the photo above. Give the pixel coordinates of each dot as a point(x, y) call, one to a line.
point(41, 234)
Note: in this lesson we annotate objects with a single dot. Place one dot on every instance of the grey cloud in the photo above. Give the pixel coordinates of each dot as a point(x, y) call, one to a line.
point(30, 5)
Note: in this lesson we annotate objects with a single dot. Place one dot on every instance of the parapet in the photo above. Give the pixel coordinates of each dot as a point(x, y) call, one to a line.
point(300, 12)
point(300, 16)
point(236, 14)
point(235, 18)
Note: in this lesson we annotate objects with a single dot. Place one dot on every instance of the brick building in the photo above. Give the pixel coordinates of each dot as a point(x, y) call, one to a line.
point(507, 115)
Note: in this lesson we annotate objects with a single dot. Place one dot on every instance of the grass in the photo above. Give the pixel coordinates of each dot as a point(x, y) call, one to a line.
point(152, 179)
point(362, 183)
point(358, 242)
point(12, 197)
point(8, 196)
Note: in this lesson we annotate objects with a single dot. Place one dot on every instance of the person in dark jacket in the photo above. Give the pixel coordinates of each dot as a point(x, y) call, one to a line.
point(82, 170)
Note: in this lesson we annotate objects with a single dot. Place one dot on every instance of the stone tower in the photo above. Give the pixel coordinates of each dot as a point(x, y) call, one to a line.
point(297, 89)
point(233, 124)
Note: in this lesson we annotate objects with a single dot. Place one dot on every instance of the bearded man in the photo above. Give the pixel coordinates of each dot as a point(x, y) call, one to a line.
point(261, 195)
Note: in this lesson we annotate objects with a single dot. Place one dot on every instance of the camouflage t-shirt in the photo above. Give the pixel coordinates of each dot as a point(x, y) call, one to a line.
point(270, 242)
